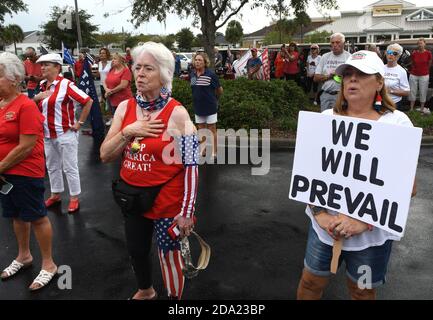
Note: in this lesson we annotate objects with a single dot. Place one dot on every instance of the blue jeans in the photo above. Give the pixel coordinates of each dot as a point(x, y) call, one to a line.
point(318, 258)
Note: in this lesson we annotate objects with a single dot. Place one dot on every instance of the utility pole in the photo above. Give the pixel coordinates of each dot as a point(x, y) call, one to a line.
point(77, 18)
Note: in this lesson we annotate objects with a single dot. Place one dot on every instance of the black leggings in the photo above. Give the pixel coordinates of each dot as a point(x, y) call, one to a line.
point(139, 232)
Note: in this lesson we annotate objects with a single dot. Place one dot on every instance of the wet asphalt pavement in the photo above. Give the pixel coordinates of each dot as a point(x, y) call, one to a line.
point(257, 235)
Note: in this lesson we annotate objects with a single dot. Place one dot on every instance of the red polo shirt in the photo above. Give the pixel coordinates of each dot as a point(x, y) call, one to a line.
point(21, 116)
point(420, 63)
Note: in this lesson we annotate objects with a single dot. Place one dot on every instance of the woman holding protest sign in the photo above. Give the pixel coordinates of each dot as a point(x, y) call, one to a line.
point(363, 95)
point(158, 189)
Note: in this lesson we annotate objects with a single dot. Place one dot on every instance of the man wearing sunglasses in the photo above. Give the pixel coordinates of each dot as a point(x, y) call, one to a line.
point(396, 81)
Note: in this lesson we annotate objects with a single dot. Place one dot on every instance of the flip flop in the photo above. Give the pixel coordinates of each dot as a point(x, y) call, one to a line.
point(13, 269)
point(44, 277)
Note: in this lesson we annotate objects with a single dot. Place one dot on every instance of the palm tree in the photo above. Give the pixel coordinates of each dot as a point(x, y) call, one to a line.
point(12, 34)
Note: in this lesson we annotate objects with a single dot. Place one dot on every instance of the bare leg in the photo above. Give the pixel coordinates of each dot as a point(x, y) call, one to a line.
point(213, 129)
point(360, 294)
point(22, 233)
point(44, 235)
point(311, 286)
point(202, 140)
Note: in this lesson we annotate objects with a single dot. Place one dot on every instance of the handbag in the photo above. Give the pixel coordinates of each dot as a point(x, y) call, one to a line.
point(134, 200)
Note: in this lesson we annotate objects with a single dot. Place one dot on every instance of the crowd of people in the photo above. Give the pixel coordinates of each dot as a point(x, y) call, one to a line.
point(156, 191)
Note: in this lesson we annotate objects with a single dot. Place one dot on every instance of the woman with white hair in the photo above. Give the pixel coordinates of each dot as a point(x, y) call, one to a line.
point(22, 171)
point(396, 81)
point(153, 135)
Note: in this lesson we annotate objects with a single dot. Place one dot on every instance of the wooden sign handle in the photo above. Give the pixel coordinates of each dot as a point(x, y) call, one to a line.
point(336, 252)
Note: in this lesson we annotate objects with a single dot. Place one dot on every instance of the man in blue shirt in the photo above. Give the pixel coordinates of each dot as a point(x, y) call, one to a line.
point(206, 89)
point(253, 65)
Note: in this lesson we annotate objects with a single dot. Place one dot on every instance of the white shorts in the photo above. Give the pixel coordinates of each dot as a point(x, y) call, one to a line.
point(206, 119)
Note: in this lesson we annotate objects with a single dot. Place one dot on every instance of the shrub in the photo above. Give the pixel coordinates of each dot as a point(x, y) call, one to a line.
point(252, 104)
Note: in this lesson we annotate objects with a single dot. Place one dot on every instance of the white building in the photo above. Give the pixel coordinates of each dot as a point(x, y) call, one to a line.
point(31, 39)
point(384, 20)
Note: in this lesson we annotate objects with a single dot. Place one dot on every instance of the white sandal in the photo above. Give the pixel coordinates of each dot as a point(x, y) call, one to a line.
point(13, 268)
point(44, 277)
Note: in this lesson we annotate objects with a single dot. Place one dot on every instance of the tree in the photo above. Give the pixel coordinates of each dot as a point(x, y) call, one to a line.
point(198, 41)
point(185, 39)
point(275, 37)
point(9, 7)
point(132, 41)
point(234, 32)
point(318, 37)
point(54, 35)
point(212, 14)
point(107, 38)
point(12, 34)
point(302, 20)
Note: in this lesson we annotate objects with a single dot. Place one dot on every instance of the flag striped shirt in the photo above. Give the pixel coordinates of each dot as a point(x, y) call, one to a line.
point(59, 108)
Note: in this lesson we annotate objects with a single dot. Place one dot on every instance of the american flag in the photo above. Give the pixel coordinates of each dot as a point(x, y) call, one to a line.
point(87, 84)
point(170, 258)
point(189, 146)
point(265, 73)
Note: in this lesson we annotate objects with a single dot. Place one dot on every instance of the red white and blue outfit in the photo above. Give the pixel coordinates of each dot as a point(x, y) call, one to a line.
point(151, 166)
point(61, 143)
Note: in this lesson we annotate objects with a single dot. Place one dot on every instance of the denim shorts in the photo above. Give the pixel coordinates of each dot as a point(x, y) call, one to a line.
point(25, 200)
point(318, 258)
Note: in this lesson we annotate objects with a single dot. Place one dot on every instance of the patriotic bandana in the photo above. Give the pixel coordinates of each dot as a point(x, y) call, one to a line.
point(156, 104)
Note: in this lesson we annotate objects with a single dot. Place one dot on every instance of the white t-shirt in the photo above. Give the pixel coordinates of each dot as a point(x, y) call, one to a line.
point(104, 71)
point(396, 79)
point(327, 65)
point(377, 236)
point(311, 68)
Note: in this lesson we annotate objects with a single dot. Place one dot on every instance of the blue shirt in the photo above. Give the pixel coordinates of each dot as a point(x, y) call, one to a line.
point(204, 98)
point(252, 62)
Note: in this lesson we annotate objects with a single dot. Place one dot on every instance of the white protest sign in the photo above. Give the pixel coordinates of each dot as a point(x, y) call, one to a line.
point(362, 168)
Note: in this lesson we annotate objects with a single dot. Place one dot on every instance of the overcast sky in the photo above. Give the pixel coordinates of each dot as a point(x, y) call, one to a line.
point(251, 21)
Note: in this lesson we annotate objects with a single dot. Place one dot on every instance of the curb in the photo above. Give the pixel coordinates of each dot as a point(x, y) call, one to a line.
point(289, 144)
point(281, 144)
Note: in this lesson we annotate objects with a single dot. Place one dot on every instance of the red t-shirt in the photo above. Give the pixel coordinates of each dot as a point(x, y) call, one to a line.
point(32, 69)
point(420, 63)
point(22, 116)
point(113, 80)
point(148, 167)
point(291, 67)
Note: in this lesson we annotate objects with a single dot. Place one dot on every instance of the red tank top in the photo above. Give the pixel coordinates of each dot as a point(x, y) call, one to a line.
point(147, 167)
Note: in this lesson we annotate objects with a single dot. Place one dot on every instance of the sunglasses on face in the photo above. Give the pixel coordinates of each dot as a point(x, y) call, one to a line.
point(390, 52)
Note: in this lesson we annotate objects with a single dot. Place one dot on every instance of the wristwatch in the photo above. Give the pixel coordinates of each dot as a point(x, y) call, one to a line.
point(316, 210)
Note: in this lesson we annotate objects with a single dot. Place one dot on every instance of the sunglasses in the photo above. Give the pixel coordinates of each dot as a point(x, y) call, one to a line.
point(390, 52)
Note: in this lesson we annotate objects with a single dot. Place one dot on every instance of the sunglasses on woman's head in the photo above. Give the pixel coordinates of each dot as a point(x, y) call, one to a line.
point(395, 53)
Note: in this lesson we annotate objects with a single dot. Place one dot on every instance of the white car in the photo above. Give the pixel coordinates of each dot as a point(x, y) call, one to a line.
point(185, 60)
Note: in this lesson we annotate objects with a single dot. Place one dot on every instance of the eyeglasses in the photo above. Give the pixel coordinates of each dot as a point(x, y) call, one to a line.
point(390, 52)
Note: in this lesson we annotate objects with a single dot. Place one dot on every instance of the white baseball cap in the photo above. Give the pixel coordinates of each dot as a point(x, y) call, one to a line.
point(365, 61)
point(51, 57)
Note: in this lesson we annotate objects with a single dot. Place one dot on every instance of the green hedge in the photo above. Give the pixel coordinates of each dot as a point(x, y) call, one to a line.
point(266, 104)
point(252, 104)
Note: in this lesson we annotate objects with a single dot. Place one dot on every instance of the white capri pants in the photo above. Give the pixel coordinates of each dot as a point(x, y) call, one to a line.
point(422, 83)
point(61, 153)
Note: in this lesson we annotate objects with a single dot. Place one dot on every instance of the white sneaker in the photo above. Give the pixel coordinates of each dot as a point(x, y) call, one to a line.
point(418, 109)
point(426, 111)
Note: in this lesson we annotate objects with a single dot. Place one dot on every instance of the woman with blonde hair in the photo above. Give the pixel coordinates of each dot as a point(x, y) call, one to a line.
point(117, 84)
point(363, 95)
point(206, 90)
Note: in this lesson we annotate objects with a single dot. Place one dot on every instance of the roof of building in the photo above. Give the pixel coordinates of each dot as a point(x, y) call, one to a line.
point(356, 22)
